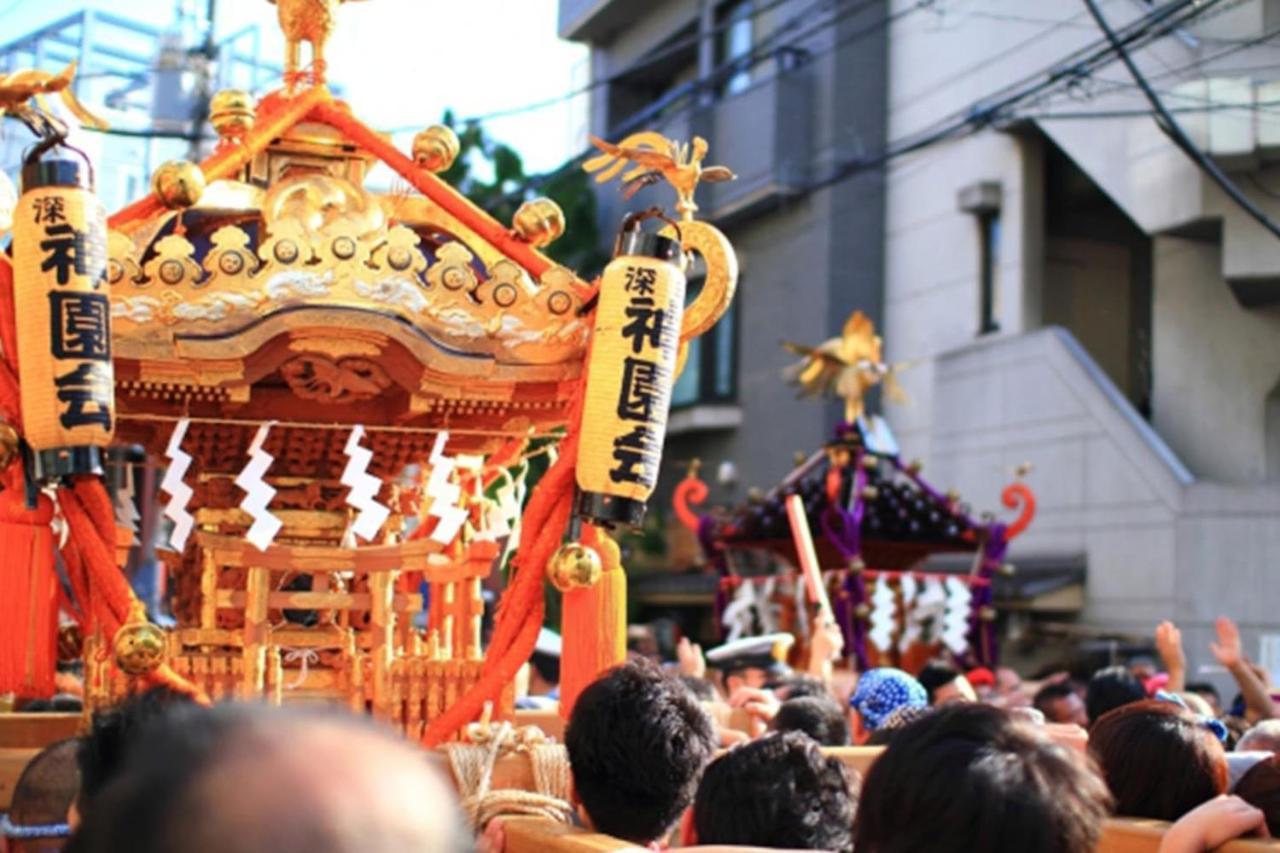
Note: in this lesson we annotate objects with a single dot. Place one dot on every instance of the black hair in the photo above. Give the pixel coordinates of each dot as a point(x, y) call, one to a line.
point(547, 666)
point(47, 786)
point(778, 791)
point(1051, 693)
point(112, 732)
point(799, 684)
point(1204, 687)
point(702, 689)
point(820, 717)
point(936, 674)
point(968, 777)
point(637, 742)
point(1109, 689)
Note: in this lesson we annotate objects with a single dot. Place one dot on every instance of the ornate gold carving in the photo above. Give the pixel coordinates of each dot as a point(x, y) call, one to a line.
point(335, 348)
point(314, 377)
point(655, 158)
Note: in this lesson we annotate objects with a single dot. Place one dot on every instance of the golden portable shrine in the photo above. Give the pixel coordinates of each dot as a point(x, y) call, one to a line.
point(342, 386)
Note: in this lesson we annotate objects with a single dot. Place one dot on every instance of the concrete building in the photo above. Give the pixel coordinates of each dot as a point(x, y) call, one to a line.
point(1068, 288)
point(782, 91)
point(1078, 294)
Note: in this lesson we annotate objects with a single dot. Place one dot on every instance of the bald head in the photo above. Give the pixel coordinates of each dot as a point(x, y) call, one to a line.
point(258, 779)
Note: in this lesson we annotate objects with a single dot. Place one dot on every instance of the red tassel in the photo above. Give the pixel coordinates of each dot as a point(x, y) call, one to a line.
point(594, 627)
point(28, 598)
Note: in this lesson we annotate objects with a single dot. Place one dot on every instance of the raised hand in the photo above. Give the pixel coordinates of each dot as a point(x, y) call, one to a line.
point(1227, 650)
point(1169, 645)
point(1212, 824)
point(692, 661)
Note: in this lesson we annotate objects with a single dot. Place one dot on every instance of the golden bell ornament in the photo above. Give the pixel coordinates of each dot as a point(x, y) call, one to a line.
point(987, 614)
point(8, 445)
point(574, 566)
point(138, 645)
point(178, 184)
point(862, 611)
point(857, 566)
point(539, 222)
point(232, 114)
point(435, 148)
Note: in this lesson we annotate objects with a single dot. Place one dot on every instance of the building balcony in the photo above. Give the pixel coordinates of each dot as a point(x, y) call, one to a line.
point(592, 20)
point(764, 134)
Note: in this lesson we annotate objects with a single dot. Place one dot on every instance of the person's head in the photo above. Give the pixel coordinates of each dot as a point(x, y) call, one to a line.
point(1159, 759)
point(820, 717)
point(1010, 690)
point(1208, 693)
point(896, 722)
point(112, 731)
point(1142, 667)
point(1264, 736)
point(799, 684)
point(943, 683)
point(967, 777)
point(882, 691)
point(752, 661)
point(1109, 689)
point(1060, 703)
point(37, 818)
point(1260, 788)
point(252, 778)
point(637, 742)
point(778, 791)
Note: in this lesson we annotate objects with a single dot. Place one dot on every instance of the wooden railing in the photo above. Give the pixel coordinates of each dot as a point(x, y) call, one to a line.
point(24, 735)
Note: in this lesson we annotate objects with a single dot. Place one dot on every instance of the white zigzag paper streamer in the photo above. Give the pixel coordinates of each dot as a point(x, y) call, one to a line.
point(444, 494)
point(930, 605)
point(955, 621)
point(179, 492)
point(363, 494)
point(258, 493)
point(126, 513)
point(910, 625)
point(882, 616)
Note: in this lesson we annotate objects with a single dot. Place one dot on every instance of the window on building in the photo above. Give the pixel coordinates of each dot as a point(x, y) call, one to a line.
point(989, 281)
point(711, 373)
point(734, 40)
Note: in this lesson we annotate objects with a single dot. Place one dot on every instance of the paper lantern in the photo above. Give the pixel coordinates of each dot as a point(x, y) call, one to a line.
point(64, 337)
point(630, 375)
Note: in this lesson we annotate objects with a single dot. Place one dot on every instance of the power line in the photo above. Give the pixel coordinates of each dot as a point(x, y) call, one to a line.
point(985, 111)
point(646, 61)
point(1174, 131)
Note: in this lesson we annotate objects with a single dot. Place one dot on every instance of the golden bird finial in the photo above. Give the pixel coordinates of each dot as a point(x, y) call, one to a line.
point(312, 21)
point(848, 366)
point(656, 157)
point(20, 89)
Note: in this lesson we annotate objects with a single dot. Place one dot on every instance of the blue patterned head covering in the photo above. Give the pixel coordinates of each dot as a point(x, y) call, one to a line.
point(882, 691)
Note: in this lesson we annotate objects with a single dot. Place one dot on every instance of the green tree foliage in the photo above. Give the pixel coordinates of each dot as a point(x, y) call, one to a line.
point(503, 186)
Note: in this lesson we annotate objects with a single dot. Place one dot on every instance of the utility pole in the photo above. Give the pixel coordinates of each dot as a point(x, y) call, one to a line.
point(206, 57)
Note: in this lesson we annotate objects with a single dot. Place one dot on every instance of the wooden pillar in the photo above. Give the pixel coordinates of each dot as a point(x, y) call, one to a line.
point(476, 606)
point(257, 589)
point(382, 589)
point(208, 589)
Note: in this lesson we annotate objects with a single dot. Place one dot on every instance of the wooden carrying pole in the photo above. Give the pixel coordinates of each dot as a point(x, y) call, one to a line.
point(808, 556)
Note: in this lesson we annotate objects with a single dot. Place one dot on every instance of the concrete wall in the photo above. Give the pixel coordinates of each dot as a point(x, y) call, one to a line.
point(1215, 365)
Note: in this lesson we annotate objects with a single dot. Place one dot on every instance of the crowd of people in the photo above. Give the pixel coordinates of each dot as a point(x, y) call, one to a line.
point(975, 760)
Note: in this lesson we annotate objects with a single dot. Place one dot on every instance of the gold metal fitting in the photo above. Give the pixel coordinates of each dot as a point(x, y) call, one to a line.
point(435, 148)
point(9, 440)
point(178, 184)
point(870, 493)
point(232, 113)
point(915, 466)
point(1008, 569)
point(539, 222)
point(138, 645)
point(870, 462)
point(987, 614)
point(574, 566)
point(862, 611)
point(857, 566)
